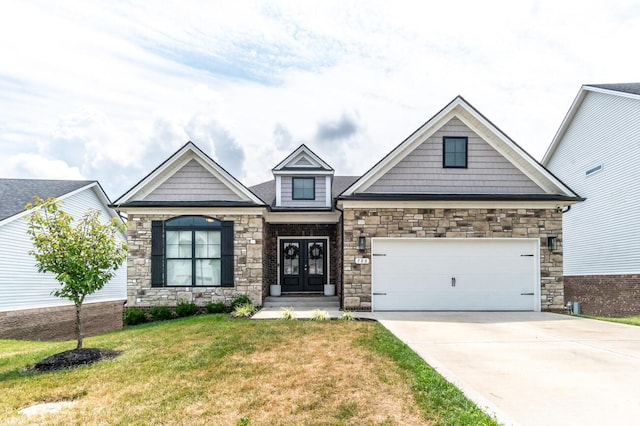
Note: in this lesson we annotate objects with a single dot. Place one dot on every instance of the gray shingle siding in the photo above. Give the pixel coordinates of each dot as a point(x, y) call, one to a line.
point(319, 201)
point(192, 183)
point(488, 172)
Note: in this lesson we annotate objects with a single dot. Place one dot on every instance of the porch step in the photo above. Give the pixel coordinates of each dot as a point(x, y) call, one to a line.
point(302, 302)
point(302, 305)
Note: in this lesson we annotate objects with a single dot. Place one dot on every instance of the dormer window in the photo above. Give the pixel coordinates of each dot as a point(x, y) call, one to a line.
point(304, 188)
point(454, 152)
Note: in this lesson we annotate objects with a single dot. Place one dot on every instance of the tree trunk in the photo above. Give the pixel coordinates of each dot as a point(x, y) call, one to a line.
point(79, 330)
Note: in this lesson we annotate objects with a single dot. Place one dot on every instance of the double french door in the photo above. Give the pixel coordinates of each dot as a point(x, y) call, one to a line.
point(303, 264)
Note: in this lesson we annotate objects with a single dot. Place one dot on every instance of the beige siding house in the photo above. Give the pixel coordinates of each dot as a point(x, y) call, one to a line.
point(456, 217)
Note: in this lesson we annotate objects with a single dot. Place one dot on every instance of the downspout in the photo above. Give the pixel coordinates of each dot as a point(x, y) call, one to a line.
point(342, 253)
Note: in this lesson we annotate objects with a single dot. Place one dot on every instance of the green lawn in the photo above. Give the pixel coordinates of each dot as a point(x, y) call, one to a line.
point(635, 320)
point(214, 370)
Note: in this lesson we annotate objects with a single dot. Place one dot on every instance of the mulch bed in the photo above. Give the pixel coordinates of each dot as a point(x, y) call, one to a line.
point(73, 358)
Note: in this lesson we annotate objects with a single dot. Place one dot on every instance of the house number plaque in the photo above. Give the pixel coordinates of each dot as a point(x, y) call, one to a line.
point(362, 260)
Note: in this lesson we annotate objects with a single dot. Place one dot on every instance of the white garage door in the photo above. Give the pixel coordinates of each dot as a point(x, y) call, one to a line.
point(455, 274)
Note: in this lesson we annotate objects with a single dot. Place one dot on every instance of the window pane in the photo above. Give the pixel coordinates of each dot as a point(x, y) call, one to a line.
point(178, 272)
point(178, 244)
point(208, 272)
point(303, 188)
point(291, 258)
point(315, 256)
point(207, 244)
point(455, 152)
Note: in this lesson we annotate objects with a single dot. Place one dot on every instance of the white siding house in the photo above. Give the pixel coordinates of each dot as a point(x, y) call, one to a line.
point(596, 152)
point(26, 293)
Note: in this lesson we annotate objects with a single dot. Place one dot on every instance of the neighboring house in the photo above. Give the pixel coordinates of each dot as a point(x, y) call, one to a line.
point(456, 217)
point(596, 151)
point(27, 307)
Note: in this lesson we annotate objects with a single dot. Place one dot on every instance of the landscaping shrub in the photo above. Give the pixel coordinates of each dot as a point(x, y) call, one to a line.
point(133, 316)
point(318, 315)
point(239, 300)
point(160, 313)
point(288, 313)
point(216, 308)
point(243, 311)
point(186, 309)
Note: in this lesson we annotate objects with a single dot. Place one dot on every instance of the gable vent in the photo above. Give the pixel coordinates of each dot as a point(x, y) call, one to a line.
point(593, 170)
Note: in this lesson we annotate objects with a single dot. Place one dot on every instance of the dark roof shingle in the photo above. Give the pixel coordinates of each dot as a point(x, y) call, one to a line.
point(633, 88)
point(16, 193)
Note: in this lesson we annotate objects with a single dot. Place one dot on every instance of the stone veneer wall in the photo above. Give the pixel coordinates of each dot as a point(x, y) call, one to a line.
point(273, 231)
point(59, 322)
point(450, 223)
point(604, 295)
point(248, 237)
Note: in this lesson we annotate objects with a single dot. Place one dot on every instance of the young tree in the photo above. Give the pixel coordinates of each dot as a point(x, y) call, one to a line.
point(83, 255)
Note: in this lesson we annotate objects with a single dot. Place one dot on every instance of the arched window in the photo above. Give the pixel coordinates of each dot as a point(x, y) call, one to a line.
point(192, 251)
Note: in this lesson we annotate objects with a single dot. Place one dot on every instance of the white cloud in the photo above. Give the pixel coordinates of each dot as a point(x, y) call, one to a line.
point(110, 90)
point(38, 167)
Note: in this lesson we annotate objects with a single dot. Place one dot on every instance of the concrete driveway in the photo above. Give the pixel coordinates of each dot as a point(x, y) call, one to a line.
point(531, 368)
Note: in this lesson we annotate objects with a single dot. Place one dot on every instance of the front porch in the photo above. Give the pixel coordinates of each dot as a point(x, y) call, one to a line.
point(300, 259)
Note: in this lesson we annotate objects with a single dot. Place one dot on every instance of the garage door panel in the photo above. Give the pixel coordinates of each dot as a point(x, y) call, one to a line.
point(418, 274)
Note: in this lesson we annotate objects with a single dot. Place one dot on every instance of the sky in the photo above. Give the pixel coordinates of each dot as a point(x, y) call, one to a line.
point(108, 90)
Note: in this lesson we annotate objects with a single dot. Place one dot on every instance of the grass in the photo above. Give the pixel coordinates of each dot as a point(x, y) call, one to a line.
point(635, 320)
point(215, 370)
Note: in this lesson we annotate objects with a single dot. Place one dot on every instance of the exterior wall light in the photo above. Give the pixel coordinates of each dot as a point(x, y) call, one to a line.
point(552, 243)
point(362, 243)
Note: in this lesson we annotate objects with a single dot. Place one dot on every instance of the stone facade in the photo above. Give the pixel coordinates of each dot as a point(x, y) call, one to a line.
point(273, 231)
point(450, 223)
point(604, 295)
point(248, 265)
point(59, 322)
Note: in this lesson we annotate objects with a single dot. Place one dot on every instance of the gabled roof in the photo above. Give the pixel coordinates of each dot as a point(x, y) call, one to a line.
point(490, 133)
point(302, 161)
point(16, 193)
point(135, 196)
point(627, 90)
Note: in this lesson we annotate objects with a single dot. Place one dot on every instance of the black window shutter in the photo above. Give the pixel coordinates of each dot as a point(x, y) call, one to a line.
point(157, 253)
point(227, 254)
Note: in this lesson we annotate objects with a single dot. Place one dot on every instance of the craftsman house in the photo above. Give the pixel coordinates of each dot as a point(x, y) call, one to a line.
point(456, 217)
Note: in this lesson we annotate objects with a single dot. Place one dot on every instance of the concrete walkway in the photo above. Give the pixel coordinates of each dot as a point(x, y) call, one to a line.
point(529, 368)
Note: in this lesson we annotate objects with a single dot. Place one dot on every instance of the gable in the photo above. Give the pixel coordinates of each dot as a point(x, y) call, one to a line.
point(192, 182)
point(421, 170)
point(302, 160)
point(188, 178)
point(521, 176)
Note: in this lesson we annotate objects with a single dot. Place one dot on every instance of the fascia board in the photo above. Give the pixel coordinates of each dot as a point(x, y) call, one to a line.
point(575, 106)
point(401, 151)
point(155, 174)
point(568, 118)
point(207, 211)
point(187, 153)
point(512, 152)
point(428, 204)
point(302, 217)
point(294, 172)
point(302, 149)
